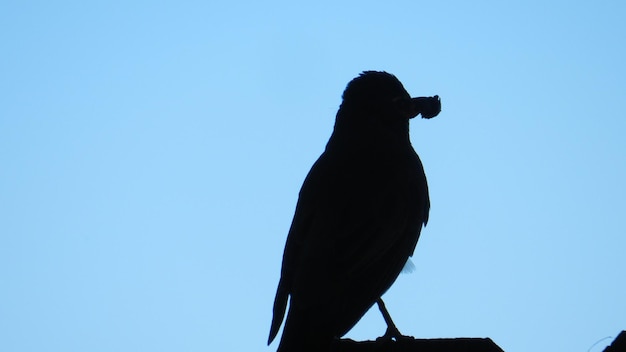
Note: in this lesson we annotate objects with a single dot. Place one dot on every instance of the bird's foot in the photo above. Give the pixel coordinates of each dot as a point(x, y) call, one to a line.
point(392, 334)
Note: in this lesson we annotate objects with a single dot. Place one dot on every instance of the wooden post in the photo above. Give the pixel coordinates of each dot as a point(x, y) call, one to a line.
point(417, 345)
point(619, 344)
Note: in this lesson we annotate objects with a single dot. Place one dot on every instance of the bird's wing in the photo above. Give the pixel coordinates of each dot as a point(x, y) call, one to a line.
point(353, 230)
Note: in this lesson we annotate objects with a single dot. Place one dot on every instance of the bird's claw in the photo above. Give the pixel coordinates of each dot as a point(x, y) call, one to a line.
point(392, 334)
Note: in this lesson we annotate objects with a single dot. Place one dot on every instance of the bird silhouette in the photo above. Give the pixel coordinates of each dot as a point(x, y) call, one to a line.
point(358, 218)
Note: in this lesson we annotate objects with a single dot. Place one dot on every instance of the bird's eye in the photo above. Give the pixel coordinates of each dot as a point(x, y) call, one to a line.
point(401, 103)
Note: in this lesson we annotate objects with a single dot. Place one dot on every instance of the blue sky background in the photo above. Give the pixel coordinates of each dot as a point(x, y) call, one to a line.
point(151, 155)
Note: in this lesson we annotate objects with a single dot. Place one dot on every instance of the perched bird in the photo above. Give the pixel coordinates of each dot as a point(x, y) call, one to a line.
point(358, 217)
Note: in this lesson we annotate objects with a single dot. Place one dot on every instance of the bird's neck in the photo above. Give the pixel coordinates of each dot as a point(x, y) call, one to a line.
point(370, 134)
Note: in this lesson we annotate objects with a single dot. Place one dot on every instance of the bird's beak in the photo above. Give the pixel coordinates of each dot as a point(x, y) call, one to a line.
point(429, 107)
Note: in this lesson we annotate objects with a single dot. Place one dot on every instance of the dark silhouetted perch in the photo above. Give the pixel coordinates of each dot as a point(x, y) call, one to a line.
point(619, 344)
point(418, 345)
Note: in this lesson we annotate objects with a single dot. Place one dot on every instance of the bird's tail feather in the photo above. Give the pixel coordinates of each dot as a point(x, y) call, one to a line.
point(280, 304)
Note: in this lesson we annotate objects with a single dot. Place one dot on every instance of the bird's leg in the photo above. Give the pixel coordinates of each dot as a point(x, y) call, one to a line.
point(392, 332)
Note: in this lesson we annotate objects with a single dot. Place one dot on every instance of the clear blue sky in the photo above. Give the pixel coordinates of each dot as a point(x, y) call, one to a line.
point(151, 155)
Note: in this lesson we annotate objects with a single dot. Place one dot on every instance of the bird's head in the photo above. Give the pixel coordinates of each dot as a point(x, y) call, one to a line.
point(380, 96)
